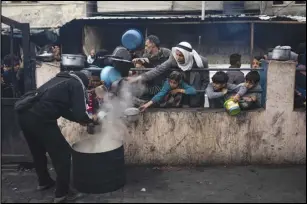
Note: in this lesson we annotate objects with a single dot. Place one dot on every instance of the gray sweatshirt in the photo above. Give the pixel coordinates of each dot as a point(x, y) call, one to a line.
point(235, 77)
point(239, 89)
point(255, 88)
point(171, 63)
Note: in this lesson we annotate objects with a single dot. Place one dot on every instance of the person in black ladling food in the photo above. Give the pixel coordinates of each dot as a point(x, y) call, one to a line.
point(64, 95)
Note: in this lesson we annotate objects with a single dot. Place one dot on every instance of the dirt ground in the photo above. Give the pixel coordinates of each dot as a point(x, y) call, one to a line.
point(248, 184)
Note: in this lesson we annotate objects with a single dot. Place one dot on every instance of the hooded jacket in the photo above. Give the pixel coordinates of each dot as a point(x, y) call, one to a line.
point(65, 97)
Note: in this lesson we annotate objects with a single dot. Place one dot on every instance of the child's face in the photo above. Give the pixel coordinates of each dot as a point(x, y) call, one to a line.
point(249, 84)
point(93, 53)
point(95, 81)
point(139, 65)
point(173, 84)
point(218, 86)
point(255, 64)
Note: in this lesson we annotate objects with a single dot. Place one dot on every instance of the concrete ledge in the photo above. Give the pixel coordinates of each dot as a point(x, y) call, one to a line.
point(217, 138)
point(176, 137)
point(276, 135)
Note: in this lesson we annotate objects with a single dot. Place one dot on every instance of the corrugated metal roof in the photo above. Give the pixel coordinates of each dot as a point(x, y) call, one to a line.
point(33, 31)
point(190, 18)
point(137, 17)
point(198, 17)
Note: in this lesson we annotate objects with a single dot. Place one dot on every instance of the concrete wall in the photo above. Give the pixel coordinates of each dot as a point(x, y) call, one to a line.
point(287, 8)
point(276, 135)
point(115, 6)
point(267, 6)
point(44, 14)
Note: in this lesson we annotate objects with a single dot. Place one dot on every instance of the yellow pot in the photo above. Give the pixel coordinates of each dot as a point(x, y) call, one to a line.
point(232, 107)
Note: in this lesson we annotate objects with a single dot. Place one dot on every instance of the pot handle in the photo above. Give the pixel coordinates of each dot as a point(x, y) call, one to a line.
point(70, 57)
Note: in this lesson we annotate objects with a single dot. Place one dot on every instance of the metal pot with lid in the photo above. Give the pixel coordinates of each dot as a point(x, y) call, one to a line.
point(73, 60)
point(281, 53)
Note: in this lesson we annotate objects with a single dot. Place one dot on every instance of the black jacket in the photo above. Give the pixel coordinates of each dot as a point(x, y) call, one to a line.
point(66, 99)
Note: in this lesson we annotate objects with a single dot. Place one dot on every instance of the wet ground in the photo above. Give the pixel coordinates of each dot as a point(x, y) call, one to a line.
point(248, 184)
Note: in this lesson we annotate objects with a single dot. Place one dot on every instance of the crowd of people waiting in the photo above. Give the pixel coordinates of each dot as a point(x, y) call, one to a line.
point(182, 88)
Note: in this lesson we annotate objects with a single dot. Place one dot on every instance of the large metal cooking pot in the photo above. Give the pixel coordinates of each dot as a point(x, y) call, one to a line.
point(99, 172)
point(70, 60)
point(281, 54)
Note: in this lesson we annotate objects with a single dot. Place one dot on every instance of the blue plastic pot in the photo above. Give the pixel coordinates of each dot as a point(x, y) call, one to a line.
point(109, 74)
point(132, 39)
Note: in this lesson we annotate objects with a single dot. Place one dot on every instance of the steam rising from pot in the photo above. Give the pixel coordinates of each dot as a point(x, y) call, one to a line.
point(113, 130)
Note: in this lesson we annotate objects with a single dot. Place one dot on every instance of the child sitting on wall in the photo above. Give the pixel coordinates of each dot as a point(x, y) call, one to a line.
point(171, 93)
point(217, 90)
point(251, 100)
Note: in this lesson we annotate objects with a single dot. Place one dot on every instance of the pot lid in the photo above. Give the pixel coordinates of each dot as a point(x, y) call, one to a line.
point(46, 54)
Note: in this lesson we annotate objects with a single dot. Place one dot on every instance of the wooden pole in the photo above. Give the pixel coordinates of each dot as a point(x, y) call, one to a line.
point(146, 32)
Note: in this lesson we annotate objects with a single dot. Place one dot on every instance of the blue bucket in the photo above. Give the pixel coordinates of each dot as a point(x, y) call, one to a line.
point(109, 74)
point(132, 39)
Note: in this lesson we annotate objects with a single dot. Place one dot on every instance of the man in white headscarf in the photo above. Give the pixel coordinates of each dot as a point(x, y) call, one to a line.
point(185, 58)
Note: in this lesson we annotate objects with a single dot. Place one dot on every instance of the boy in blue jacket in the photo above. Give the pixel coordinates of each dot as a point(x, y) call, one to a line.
point(171, 93)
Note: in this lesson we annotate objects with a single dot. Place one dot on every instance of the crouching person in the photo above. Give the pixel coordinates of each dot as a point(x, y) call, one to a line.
point(217, 91)
point(172, 91)
point(38, 111)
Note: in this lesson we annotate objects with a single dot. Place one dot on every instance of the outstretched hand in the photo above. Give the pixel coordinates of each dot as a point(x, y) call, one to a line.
point(133, 79)
point(143, 107)
point(236, 98)
point(175, 91)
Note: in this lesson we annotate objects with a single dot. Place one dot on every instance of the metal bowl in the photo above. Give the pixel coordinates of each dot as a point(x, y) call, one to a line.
point(132, 114)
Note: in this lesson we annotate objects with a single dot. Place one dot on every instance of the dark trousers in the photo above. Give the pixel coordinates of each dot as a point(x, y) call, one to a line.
point(45, 136)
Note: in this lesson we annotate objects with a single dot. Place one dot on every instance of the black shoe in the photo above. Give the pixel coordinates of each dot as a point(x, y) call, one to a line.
point(46, 186)
point(72, 196)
